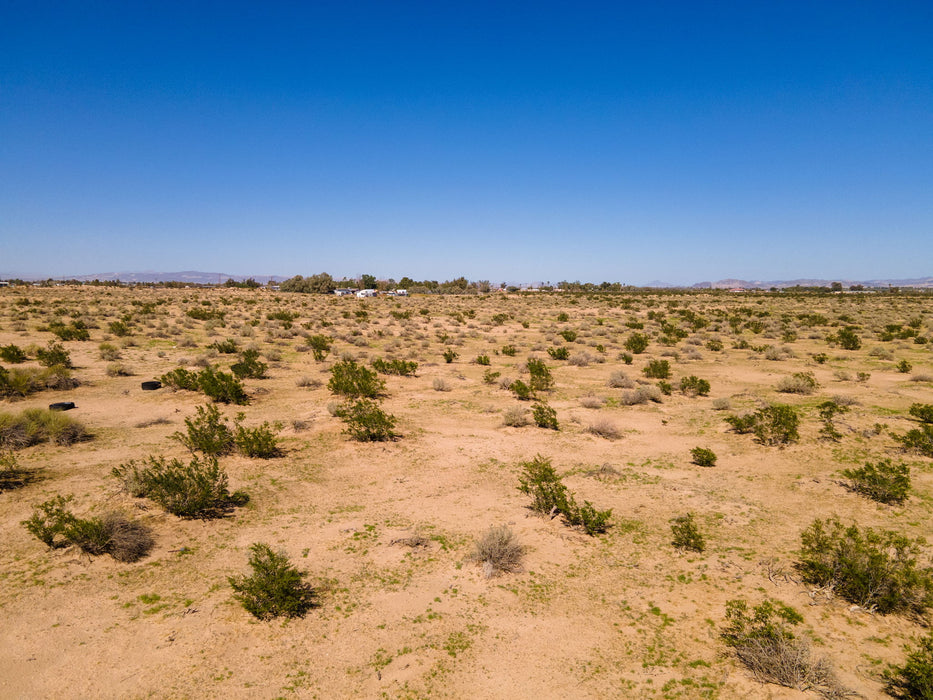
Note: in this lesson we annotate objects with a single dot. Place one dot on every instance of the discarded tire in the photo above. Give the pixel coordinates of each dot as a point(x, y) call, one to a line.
point(151, 386)
point(61, 406)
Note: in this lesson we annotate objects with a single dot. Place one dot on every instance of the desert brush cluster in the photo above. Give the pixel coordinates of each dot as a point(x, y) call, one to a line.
point(571, 494)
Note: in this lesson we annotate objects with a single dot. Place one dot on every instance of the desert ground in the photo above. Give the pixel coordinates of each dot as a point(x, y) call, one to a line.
point(385, 530)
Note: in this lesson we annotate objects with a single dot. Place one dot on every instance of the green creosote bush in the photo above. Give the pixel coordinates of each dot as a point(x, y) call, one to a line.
point(194, 490)
point(829, 410)
point(820, 358)
point(665, 387)
point(540, 376)
point(636, 343)
point(249, 366)
point(498, 551)
point(217, 385)
point(562, 317)
point(568, 335)
point(401, 368)
point(561, 353)
point(450, 355)
point(544, 416)
point(490, 376)
point(275, 588)
point(222, 387)
point(76, 330)
point(687, 534)
point(549, 496)
point(703, 457)
point(714, 345)
point(509, 350)
point(354, 381)
point(482, 359)
point(13, 354)
point(36, 425)
point(765, 644)
point(914, 679)
point(49, 521)
point(922, 412)
point(883, 481)
point(694, 386)
point(320, 346)
point(207, 432)
point(54, 354)
point(119, 328)
point(366, 421)
point(521, 390)
point(846, 338)
point(876, 569)
point(626, 358)
point(259, 442)
point(776, 425)
point(658, 369)
point(903, 367)
point(918, 440)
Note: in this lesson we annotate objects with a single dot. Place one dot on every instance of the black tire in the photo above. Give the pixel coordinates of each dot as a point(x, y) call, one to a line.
point(61, 406)
point(151, 386)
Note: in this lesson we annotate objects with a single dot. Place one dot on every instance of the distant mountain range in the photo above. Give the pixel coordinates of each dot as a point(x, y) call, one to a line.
point(195, 277)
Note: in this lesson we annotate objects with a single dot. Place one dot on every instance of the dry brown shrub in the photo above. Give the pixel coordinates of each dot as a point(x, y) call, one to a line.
point(499, 551)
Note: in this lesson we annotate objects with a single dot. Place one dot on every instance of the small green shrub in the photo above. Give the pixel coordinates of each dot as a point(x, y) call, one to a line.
point(482, 359)
point(658, 369)
point(490, 376)
point(694, 386)
point(509, 350)
point(776, 425)
point(76, 330)
point(876, 569)
point(687, 534)
point(903, 367)
point(207, 432)
point(320, 346)
point(561, 353)
point(626, 358)
point(882, 481)
point(665, 387)
point(913, 680)
point(13, 354)
point(249, 366)
point(568, 335)
point(366, 421)
point(275, 588)
point(521, 390)
point(820, 358)
point(222, 387)
point(637, 343)
point(259, 442)
point(714, 345)
point(540, 480)
point(922, 412)
point(703, 457)
point(562, 317)
point(847, 338)
point(450, 355)
point(119, 328)
point(194, 490)
point(355, 381)
point(54, 355)
point(49, 521)
point(592, 521)
point(544, 416)
point(828, 411)
point(401, 368)
point(180, 378)
point(918, 440)
point(540, 376)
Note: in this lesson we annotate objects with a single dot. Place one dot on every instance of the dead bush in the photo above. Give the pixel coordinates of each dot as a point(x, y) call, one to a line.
point(499, 551)
point(604, 428)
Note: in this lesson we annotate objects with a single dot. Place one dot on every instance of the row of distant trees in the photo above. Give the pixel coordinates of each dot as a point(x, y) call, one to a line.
point(323, 283)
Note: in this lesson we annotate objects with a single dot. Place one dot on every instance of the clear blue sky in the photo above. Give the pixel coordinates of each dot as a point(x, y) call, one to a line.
point(679, 141)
